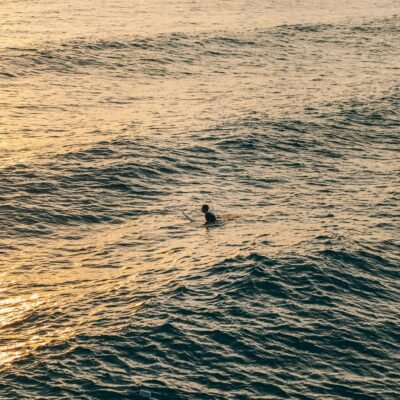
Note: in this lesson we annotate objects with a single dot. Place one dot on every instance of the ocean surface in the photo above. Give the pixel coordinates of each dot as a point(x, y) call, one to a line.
point(119, 117)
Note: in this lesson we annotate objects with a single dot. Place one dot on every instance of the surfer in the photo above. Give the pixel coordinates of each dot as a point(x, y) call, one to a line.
point(210, 217)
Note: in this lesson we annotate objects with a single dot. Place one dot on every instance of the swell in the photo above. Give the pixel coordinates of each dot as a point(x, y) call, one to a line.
point(118, 179)
point(104, 183)
point(255, 326)
point(178, 54)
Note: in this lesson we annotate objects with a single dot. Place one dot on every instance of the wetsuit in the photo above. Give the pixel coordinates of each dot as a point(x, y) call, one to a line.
point(210, 218)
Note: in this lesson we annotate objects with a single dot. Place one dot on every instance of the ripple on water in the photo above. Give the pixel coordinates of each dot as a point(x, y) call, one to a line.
point(290, 133)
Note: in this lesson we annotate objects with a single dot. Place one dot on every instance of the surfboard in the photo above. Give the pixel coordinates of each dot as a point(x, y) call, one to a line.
point(187, 216)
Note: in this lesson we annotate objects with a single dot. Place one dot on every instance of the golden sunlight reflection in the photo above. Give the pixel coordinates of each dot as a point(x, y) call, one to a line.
point(18, 337)
point(92, 266)
point(75, 296)
point(21, 335)
point(16, 309)
point(16, 347)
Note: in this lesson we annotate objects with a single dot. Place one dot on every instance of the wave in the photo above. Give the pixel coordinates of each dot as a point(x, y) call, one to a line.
point(116, 179)
point(178, 54)
point(249, 324)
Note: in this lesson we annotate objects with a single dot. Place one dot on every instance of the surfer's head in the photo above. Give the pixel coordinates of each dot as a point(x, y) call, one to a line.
point(205, 208)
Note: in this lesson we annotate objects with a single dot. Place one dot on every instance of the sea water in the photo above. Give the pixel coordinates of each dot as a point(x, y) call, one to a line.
point(116, 117)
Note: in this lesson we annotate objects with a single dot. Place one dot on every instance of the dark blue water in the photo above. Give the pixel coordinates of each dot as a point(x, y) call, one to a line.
point(289, 130)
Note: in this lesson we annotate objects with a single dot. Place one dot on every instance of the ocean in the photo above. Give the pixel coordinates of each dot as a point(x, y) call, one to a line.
point(120, 119)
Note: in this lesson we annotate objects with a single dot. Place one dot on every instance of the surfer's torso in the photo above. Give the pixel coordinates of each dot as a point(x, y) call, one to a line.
point(210, 218)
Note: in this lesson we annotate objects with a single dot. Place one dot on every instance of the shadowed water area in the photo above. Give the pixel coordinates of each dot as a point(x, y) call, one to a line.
point(116, 117)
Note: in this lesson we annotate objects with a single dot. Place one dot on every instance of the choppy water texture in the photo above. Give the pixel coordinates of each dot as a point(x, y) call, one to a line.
point(115, 116)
